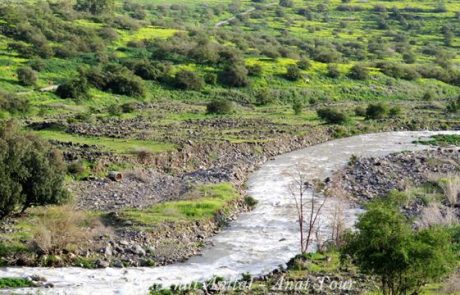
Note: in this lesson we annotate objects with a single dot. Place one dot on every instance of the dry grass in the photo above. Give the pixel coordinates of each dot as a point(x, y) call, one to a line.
point(436, 214)
point(451, 187)
point(61, 228)
point(452, 285)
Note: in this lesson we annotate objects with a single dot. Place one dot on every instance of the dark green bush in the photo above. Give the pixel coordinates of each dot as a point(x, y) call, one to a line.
point(219, 106)
point(359, 72)
point(304, 64)
point(235, 75)
point(188, 80)
point(332, 116)
point(333, 71)
point(297, 107)
point(76, 88)
point(293, 73)
point(376, 111)
point(395, 112)
point(255, 70)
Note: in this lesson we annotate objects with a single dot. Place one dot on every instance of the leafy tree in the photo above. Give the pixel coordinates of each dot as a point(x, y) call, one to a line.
point(332, 116)
point(235, 75)
point(386, 246)
point(26, 76)
point(31, 173)
point(189, 80)
point(220, 106)
point(75, 88)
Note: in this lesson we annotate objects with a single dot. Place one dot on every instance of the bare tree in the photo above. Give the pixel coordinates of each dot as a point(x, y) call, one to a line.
point(308, 205)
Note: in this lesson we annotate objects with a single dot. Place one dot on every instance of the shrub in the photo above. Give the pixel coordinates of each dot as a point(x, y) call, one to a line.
point(411, 260)
point(395, 112)
point(31, 172)
point(76, 88)
point(188, 80)
point(220, 107)
point(250, 201)
point(26, 76)
point(235, 75)
point(151, 71)
point(95, 7)
point(293, 73)
point(359, 72)
point(210, 78)
point(264, 97)
point(453, 106)
point(297, 107)
point(409, 58)
point(333, 71)
point(255, 70)
point(304, 64)
point(332, 116)
point(360, 111)
point(13, 103)
point(376, 111)
point(116, 78)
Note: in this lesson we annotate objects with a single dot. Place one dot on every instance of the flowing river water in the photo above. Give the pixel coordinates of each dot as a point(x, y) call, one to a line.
point(257, 242)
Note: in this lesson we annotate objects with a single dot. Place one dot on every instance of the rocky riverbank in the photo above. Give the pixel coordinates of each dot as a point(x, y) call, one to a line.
point(365, 179)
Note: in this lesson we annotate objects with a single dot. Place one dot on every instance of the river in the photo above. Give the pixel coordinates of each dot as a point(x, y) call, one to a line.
point(257, 242)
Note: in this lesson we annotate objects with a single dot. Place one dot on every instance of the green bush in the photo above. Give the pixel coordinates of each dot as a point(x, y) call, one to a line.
point(304, 64)
point(31, 172)
point(188, 80)
point(255, 70)
point(360, 111)
point(359, 72)
point(376, 111)
point(332, 116)
point(293, 73)
point(297, 107)
point(333, 71)
point(13, 104)
point(26, 76)
point(235, 75)
point(385, 245)
point(395, 112)
point(219, 106)
point(76, 88)
point(264, 97)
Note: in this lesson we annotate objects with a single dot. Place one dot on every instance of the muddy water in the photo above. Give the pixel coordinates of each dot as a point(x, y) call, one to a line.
point(257, 242)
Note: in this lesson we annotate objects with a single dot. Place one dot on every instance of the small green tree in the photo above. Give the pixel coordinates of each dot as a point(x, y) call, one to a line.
point(386, 246)
point(26, 76)
point(31, 172)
